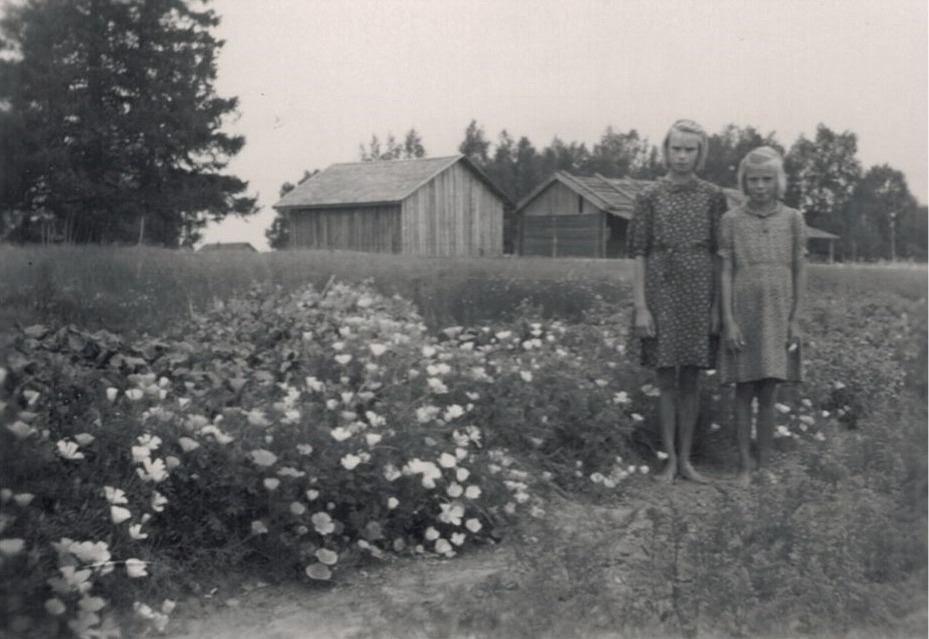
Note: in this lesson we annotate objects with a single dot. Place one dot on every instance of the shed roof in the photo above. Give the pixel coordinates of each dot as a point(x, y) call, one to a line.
point(369, 183)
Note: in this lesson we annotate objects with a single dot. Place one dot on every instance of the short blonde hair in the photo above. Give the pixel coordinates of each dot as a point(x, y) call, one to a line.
point(687, 126)
point(764, 157)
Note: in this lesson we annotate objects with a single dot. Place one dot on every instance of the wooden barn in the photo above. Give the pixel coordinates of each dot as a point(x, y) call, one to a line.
point(431, 206)
point(587, 216)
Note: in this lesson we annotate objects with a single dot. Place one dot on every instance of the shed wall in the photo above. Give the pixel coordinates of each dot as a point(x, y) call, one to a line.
point(374, 229)
point(558, 200)
point(454, 214)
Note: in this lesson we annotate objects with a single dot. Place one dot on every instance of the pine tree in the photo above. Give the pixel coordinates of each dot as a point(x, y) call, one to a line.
point(117, 122)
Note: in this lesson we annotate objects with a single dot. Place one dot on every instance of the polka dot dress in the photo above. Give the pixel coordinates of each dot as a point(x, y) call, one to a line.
point(674, 226)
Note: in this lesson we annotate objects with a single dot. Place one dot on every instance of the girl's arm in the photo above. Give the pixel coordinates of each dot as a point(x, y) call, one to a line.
point(644, 324)
point(734, 339)
point(799, 279)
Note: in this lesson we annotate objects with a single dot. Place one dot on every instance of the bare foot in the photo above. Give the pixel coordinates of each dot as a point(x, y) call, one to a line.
point(688, 472)
point(666, 476)
point(744, 480)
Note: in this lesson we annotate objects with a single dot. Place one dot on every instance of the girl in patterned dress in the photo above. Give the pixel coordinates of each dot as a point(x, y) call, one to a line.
point(762, 245)
point(672, 237)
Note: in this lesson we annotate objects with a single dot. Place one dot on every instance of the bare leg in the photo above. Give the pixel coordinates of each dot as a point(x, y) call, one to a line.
point(744, 391)
point(688, 403)
point(767, 391)
point(667, 416)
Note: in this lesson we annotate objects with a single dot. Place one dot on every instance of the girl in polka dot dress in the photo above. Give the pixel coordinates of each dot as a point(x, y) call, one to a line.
point(672, 237)
point(762, 245)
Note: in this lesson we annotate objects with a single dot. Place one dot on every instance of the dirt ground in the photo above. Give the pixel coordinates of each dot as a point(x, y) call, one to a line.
point(398, 597)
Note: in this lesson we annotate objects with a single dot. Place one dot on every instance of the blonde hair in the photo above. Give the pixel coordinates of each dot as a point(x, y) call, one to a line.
point(687, 126)
point(764, 157)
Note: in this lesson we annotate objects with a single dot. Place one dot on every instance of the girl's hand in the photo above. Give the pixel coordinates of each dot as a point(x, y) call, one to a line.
point(734, 340)
point(644, 323)
point(716, 323)
point(793, 332)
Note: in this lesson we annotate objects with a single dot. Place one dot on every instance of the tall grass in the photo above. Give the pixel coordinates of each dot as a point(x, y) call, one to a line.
point(139, 290)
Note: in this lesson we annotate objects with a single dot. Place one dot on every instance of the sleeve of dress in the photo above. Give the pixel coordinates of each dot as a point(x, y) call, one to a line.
point(800, 236)
point(639, 237)
point(718, 206)
point(724, 239)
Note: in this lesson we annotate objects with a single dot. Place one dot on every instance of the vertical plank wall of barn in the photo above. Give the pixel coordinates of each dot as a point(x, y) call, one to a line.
point(373, 229)
point(454, 214)
point(561, 223)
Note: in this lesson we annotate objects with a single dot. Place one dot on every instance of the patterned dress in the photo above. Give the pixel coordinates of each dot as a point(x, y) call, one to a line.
point(763, 250)
point(674, 226)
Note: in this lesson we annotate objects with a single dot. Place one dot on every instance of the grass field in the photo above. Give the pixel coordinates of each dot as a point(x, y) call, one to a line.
point(226, 365)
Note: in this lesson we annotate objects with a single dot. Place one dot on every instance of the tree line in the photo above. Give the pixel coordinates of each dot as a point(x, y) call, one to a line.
point(872, 211)
point(111, 131)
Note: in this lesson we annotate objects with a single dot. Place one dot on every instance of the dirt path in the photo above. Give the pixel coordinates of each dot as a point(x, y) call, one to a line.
point(416, 597)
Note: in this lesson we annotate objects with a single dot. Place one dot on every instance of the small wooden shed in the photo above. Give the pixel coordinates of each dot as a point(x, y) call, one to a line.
point(431, 206)
point(579, 216)
point(588, 216)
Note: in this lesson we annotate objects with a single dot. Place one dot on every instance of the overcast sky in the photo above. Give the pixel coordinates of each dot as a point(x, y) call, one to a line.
point(316, 78)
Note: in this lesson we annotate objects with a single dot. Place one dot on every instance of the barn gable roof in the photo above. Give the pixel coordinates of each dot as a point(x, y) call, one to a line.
point(613, 195)
point(370, 183)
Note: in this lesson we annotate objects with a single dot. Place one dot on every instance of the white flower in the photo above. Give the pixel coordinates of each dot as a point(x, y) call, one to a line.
point(68, 450)
point(326, 556)
point(432, 534)
point(323, 523)
point(297, 508)
point(443, 547)
point(661, 455)
point(526, 375)
point(271, 483)
point(11, 547)
point(304, 449)
point(462, 474)
point(453, 412)
point(436, 386)
point(447, 461)
point(23, 430)
point(349, 462)
point(782, 408)
point(314, 384)
point(135, 531)
point(23, 499)
point(188, 444)
point(451, 513)
point(622, 397)
point(119, 514)
point(152, 470)
point(458, 538)
point(391, 472)
point(373, 439)
point(454, 490)
point(340, 433)
point(262, 457)
point(392, 503)
point(312, 495)
point(643, 469)
point(55, 606)
point(259, 527)
point(473, 492)
point(377, 349)
point(159, 502)
point(636, 417)
point(140, 452)
point(84, 439)
point(343, 359)
point(136, 568)
point(135, 394)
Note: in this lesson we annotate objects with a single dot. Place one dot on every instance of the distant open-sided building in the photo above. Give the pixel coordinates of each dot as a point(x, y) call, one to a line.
point(229, 246)
point(588, 216)
point(432, 206)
